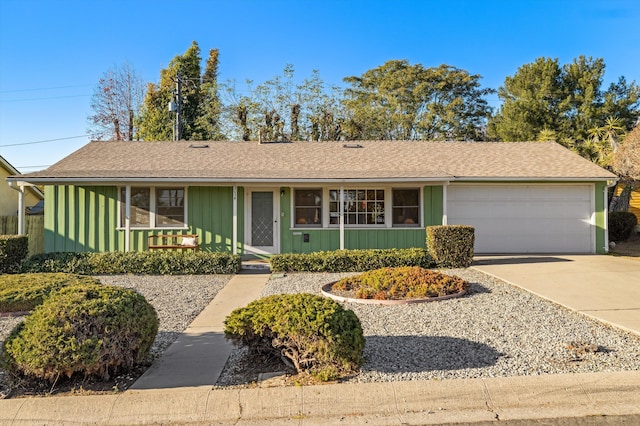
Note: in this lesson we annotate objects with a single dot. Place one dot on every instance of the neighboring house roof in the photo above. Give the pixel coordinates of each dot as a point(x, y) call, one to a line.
point(13, 171)
point(226, 161)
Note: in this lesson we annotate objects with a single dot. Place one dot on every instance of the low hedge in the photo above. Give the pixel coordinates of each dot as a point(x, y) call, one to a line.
point(451, 246)
point(350, 260)
point(146, 263)
point(88, 329)
point(317, 334)
point(621, 225)
point(13, 249)
point(23, 292)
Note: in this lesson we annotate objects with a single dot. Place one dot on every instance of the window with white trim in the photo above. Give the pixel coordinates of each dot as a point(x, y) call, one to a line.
point(361, 207)
point(162, 207)
point(406, 207)
point(307, 207)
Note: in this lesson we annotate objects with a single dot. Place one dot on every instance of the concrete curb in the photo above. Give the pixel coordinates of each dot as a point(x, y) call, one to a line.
point(419, 402)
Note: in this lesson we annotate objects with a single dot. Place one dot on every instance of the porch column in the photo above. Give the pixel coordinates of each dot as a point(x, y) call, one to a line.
point(21, 209)
point(127, 220)
point(234, 239)
point(444, 203)
point(342, 218)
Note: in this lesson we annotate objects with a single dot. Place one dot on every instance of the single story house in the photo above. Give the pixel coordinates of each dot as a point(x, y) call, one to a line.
point(260, 198)
point(11, 203)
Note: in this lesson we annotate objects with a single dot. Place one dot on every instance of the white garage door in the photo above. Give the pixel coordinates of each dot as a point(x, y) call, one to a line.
point(525, 218)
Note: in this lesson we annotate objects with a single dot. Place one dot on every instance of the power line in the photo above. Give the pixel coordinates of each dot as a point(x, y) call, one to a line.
point(45, 141)
point(45, 88)
point(44, 99)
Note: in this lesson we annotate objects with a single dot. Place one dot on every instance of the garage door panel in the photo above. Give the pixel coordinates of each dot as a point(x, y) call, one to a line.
point(525, 218)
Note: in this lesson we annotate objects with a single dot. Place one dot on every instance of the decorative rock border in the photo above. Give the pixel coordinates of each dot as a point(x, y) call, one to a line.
point(14, 314)
point(326, 291)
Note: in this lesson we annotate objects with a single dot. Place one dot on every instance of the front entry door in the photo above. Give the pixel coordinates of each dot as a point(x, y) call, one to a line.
point(263, 222)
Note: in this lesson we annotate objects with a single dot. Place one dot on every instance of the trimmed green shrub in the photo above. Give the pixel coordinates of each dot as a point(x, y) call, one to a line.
point(408, 282)
point(451, 246)
point(147, 263)
point(13, 250)
point(23, 292)
point(317, 334)
point(87, 329)
point(350, 260)
point(621, 225)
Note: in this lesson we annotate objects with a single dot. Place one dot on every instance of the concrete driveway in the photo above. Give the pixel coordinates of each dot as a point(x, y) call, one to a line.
point(604, 287)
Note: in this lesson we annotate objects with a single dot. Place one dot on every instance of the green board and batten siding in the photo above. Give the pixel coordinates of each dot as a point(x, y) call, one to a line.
point(85, 218)
point(291, 240)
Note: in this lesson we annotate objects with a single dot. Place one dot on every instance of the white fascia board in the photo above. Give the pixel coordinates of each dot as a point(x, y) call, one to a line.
point(459, 179)
point(201, 181)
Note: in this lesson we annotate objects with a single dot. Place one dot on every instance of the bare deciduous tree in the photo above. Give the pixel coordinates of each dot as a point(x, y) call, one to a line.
point(115, 104)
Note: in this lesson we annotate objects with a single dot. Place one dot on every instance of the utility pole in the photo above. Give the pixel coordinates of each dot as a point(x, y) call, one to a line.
point(176, 106)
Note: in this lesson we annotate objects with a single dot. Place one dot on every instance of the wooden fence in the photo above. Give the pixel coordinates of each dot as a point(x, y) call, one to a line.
point(34, 227)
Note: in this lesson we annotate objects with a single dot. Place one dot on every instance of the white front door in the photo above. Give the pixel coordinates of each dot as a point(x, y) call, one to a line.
point(262, 219)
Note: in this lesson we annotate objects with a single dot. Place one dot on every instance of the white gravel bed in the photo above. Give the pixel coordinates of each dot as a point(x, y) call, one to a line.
point(497, 330)
point(177, 299)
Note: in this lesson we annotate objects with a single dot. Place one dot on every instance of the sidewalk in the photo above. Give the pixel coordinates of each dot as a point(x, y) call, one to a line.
point(414, 403)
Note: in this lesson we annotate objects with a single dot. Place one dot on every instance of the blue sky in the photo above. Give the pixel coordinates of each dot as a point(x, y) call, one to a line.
point(53, 52)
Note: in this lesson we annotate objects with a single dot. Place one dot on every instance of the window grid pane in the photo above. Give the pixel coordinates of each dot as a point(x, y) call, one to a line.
point(361, 207)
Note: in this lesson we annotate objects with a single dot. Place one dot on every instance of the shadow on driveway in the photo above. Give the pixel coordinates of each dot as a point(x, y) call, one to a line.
point(518, 260)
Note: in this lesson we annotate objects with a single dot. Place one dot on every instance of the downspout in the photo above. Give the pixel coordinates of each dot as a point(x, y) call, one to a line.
point(20, 190)
point(234, 239)
point(606, 213)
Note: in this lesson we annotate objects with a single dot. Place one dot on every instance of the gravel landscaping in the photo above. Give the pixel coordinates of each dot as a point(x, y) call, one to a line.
point(177, 299)
point(497, 330)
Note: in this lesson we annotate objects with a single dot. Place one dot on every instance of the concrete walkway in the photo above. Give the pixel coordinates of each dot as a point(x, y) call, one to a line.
point(606, 288)
point(198, 356)
point(177, 389)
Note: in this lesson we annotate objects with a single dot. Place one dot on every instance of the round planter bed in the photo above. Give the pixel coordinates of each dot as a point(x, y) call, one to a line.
point(327, 291)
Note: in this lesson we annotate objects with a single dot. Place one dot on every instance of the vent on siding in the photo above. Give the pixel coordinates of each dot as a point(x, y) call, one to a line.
point(352, 145)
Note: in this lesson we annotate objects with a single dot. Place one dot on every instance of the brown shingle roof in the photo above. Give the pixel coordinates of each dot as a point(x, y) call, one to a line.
point(372, 160)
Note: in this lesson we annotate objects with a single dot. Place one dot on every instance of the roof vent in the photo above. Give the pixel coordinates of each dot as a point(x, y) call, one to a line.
point(199, 146)
point(352, 145)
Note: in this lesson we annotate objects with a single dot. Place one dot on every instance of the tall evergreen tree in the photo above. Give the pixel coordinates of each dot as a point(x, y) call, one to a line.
point(208, 121)
point(156, 121)
point(568, 100)
point(399, 101)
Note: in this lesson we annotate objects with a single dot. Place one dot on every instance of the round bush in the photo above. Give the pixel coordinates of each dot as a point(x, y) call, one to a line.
point(317, 334)
point(409, 282)
point(89, 329)
point(23, 292)
point(621, 225)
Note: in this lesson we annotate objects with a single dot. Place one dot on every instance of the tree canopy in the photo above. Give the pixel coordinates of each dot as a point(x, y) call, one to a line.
point(399, 101)
point(200, 107)
point(115, 102)
point(544, 96)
